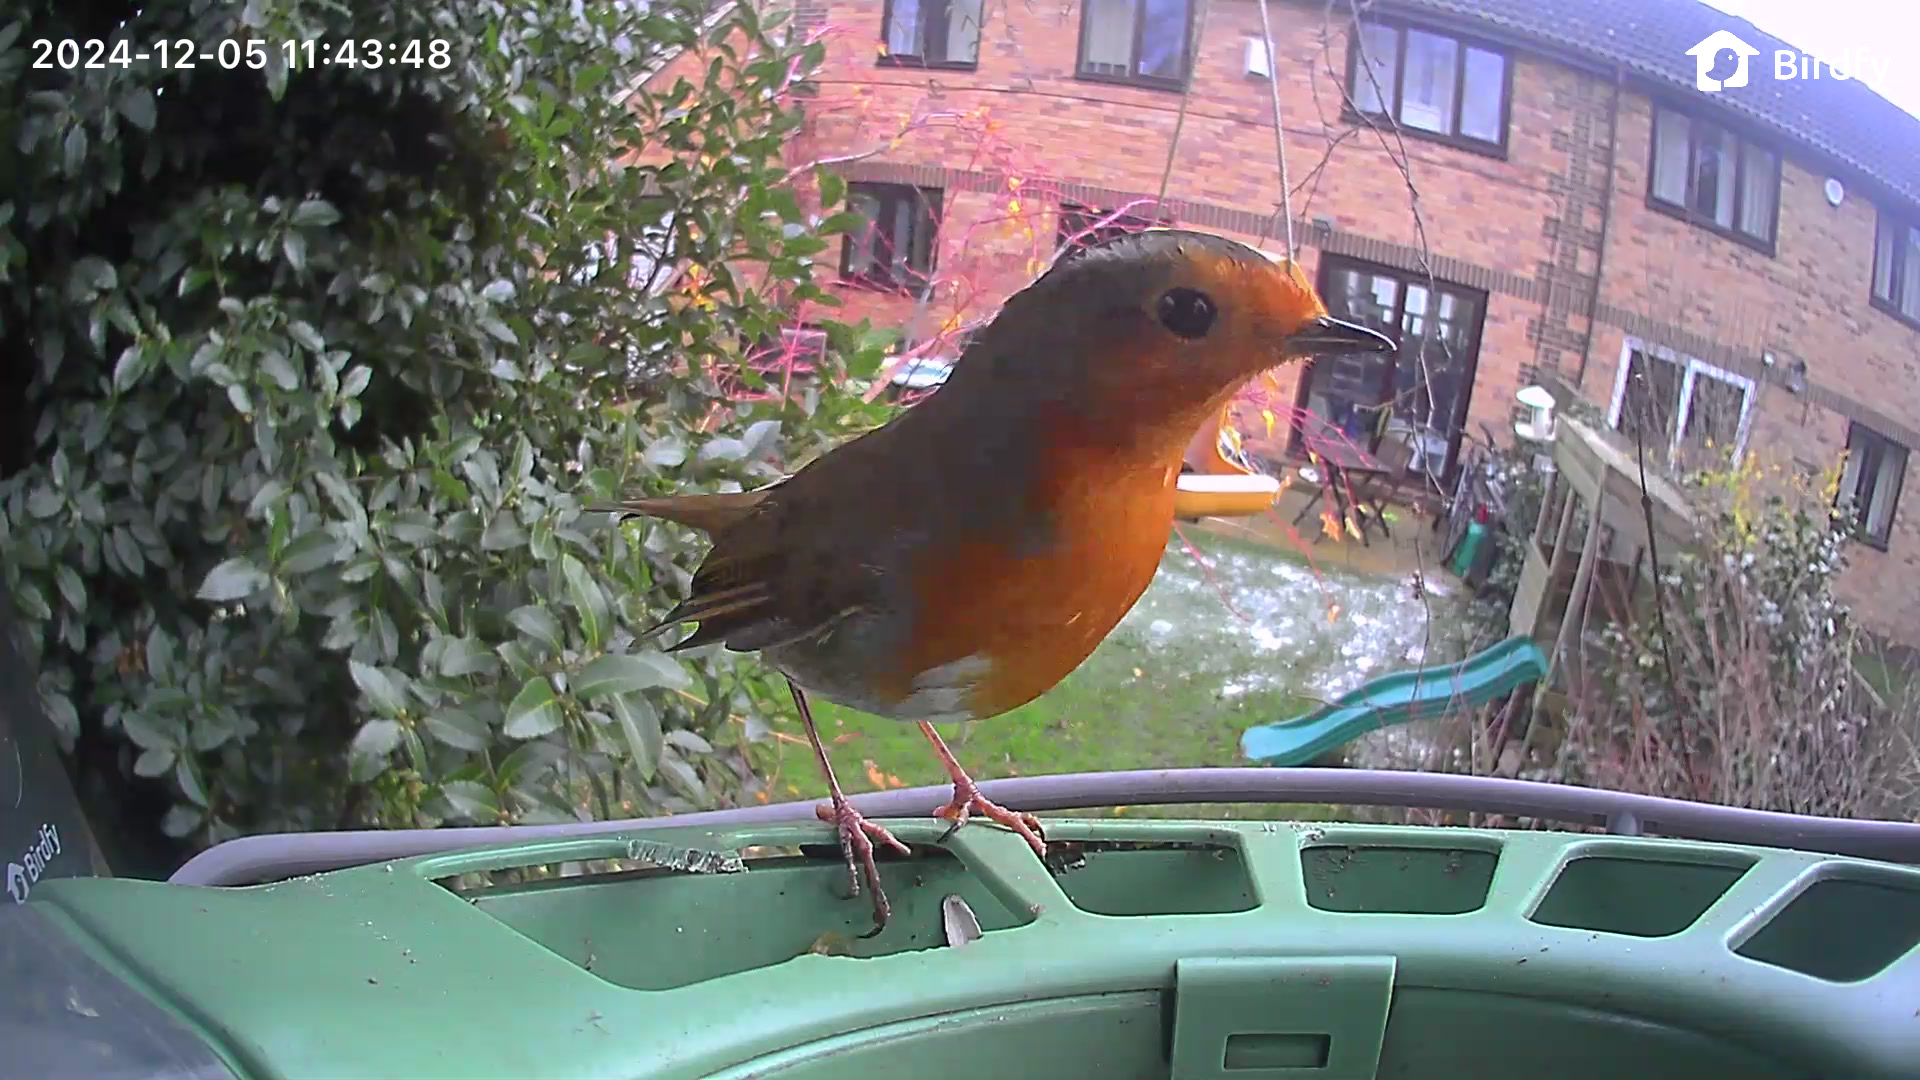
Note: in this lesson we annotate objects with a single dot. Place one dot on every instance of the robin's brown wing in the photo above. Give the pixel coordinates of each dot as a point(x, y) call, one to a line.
point(768, 582)
point(789, 560)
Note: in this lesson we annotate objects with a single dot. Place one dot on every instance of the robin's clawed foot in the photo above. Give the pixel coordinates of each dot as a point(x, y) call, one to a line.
point(857, 835)
point(968, 801)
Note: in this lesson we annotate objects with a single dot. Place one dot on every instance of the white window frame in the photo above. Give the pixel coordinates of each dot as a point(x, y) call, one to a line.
point(1691, 368)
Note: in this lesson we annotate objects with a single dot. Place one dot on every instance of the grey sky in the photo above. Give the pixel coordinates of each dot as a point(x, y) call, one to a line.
point(1886, 33)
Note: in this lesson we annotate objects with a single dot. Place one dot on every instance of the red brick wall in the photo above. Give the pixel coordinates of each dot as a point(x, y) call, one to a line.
point(1671, 281)
point(1526, 229)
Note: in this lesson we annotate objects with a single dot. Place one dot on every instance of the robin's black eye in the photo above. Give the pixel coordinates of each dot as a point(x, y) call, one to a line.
point(1187, 312)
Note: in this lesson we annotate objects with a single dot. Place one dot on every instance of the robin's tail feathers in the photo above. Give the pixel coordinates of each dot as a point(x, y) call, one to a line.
point(708, 513)
point(711, 611)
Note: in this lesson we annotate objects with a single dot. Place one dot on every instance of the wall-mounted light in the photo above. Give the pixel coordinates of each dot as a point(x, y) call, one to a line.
point(1796, 380)
point(1835, 191)
point(1259, 61)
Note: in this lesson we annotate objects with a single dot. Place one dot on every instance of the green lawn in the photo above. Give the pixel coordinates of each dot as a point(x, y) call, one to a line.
point(1173, 686)
point(1892, 680)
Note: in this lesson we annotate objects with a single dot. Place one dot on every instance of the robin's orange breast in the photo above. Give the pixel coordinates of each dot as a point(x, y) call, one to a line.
point(998, 623)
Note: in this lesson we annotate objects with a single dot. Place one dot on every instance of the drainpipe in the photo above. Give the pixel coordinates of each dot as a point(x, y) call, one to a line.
point(1606, 217)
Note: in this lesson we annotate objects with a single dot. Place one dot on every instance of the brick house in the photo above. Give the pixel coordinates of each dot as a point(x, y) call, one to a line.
point(1585, 211)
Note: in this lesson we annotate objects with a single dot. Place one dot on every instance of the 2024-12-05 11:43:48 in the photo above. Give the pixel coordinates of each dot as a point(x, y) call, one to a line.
point(233, 53)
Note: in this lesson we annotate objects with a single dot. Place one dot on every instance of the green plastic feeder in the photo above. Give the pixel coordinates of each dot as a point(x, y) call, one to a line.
point(720, 945)
point(1164, 949)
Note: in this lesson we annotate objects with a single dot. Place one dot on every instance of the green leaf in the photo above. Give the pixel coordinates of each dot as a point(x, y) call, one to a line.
point(464, 656)
point(539, 624)
point(161, 655)
point(137, 106)
point(459, 729)
point(72, 589)
point(503, 533)
point(280, 369)
point(95, 273)
point(32, 602)
point(683, 778)
point(43, 503)
point(471, 800)
point(75, 150)
point(315, 213)
point(355, 381)
point(187, 775)
point(382, 692)
point(640, 726)
point(65, 718)
point(295, 245)
point(134, 363)
point(833, 188)
point(309, 552)
point(307, 337)
point(367, 756)
point(626, 672)
point(689, 741)
point(498, 330)
point(761, 439)
point(722, 450)
point(846, 221)
point(234, 579)
point(534, 711)
point(153, 763)
point(180, 821)
point(145, 734)
point(498, 292)
point(588, 601)
point(665, 453)
point(484, 472)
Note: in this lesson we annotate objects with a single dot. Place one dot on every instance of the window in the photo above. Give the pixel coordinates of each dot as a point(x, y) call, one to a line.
point(1417, 395)
point(1678, 405)
point(649, 251)
point(1713, 178)
point(1876, 467)
point(1430, 83)
point(1896, 268)
point(1139, 41)
point(896, 250)
point(931, 33)
point(1082, 227)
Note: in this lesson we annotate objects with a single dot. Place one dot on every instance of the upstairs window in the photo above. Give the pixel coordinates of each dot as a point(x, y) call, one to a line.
point(931, 33)
point(896, 250)
point(1082, 227)
point(1896, 268)
point(1429, 83)
point(1876, 469)
point(1707, 175)
point(1136, 41)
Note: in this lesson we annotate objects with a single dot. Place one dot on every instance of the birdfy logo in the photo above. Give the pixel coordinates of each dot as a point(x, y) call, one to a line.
point(1720, 62)
point(22, 875)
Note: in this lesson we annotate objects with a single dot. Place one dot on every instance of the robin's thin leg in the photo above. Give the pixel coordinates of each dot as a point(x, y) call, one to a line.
point(855, 830)
point(967, 799)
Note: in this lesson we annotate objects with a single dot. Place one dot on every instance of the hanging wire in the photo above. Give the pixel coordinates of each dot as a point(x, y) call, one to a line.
point(1186, 95)
point(1279, 129)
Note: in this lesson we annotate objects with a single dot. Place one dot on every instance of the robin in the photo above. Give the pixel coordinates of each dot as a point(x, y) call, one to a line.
point(959, 561)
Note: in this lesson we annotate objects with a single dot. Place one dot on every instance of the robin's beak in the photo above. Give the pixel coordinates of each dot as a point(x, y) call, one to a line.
point(1325, 335)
